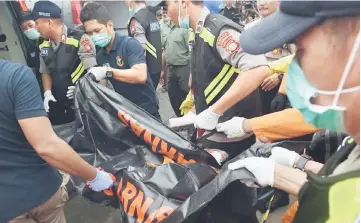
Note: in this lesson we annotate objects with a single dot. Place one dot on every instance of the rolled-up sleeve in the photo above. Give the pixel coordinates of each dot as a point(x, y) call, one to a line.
point(285, 124)
point(229, 49)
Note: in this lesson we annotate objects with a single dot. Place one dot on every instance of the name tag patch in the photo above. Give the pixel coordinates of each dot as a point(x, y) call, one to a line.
point(44, 51)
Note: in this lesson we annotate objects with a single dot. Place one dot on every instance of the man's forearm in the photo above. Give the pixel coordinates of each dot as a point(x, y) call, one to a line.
point(244, 85)
point(163, 60)
point(47, 82)
point(289, 179)
point(61, 156)
point(133, 76)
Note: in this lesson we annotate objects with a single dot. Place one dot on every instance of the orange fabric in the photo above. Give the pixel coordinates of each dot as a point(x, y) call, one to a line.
point(283, 85)
point(290, 214)
point(23, 6)
point(285, 124)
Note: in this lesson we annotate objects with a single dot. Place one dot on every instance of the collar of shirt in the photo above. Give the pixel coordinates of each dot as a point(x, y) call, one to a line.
point(201, 19)
point(65, 32)
point(139, 7)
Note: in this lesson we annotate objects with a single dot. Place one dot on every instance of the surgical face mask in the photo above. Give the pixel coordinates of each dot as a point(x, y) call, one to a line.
point(32, 34)
point(101, 39)
point(131, 12)
point(183, 23)
point(300, 92)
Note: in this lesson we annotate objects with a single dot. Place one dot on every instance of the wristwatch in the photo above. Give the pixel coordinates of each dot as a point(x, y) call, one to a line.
point(301, 163)
point(109, 74)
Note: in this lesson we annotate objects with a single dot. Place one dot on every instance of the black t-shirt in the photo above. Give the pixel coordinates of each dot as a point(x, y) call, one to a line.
point(125, 53)
point(231, 13)
point(26, 180)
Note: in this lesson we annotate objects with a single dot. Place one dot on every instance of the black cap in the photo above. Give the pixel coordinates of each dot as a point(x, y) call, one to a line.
point(293, 19)
point(26, 16)
point(46, 9)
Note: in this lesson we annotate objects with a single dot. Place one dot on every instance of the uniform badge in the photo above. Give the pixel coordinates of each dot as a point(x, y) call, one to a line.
point(132, 26)
point(276, 51)
point(119, 61)
point(44, 51)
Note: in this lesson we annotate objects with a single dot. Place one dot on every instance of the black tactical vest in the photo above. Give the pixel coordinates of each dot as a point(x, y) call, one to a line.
point(153, 45)
point(64, 64)
point(326, 198)
point(212, 77)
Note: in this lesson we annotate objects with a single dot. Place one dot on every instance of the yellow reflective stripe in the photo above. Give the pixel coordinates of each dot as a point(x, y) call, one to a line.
point(344, 201)
point(150, 49)
point(72, 41)
point(207, 36)
point(221, 85)
point(150, 46)
point(45, 43)
point(77, 73)
point(216, 80)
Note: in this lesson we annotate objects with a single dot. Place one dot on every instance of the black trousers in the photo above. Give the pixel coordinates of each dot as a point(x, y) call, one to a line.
point(177, 85)
point(155, 79)
point(60, 113)
point(266, 99)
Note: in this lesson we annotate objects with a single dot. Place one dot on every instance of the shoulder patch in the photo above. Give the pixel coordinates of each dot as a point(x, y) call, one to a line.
point(132, 26)
point(226, 40)
point(85, 43)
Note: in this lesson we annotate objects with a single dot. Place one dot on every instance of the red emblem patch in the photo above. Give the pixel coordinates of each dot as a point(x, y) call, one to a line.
point(85, 43)
point(226, 41)
point(132, 26)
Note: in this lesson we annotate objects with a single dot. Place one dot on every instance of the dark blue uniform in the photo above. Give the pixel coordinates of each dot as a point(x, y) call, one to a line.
point(125, 53)
point(26, 180)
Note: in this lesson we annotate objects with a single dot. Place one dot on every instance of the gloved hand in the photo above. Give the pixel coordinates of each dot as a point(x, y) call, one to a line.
point(87, 52)
point(207, 120)
point(232, 128)
point(102, 181)
point(279, 102)
point(284, 156)
point(48, 96)
point(70, 92)
point(97, 73)
point(187, 104)
point(263, 170)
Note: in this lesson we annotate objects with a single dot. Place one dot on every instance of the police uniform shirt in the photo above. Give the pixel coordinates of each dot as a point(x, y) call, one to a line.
point(125, 53)
point(229, 49)
point(137, 29)
point(43, 68)
point(32, 59)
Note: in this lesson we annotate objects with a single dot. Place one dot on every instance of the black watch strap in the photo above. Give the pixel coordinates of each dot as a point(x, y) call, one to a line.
point(109, 74)
point(301, 163)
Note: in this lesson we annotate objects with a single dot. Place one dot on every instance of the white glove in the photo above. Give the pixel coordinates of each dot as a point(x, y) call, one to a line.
point(48, 96)
point(284, 156)
point(97, 73)
point(70, 92)
point(232, 128)
point(102, 181)
point(207, 120)
point(263, 169)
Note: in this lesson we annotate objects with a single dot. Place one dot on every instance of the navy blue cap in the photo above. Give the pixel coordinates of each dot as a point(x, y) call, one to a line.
point(46, 9)
point(26, 16)
point(293, 19)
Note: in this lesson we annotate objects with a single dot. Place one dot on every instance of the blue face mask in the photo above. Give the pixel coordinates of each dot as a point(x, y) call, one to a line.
point(101, 39)
point(300, 92)
point(32, 34)
point(183, 23)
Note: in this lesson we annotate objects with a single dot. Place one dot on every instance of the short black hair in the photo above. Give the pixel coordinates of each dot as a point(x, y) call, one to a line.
point(94, 10)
